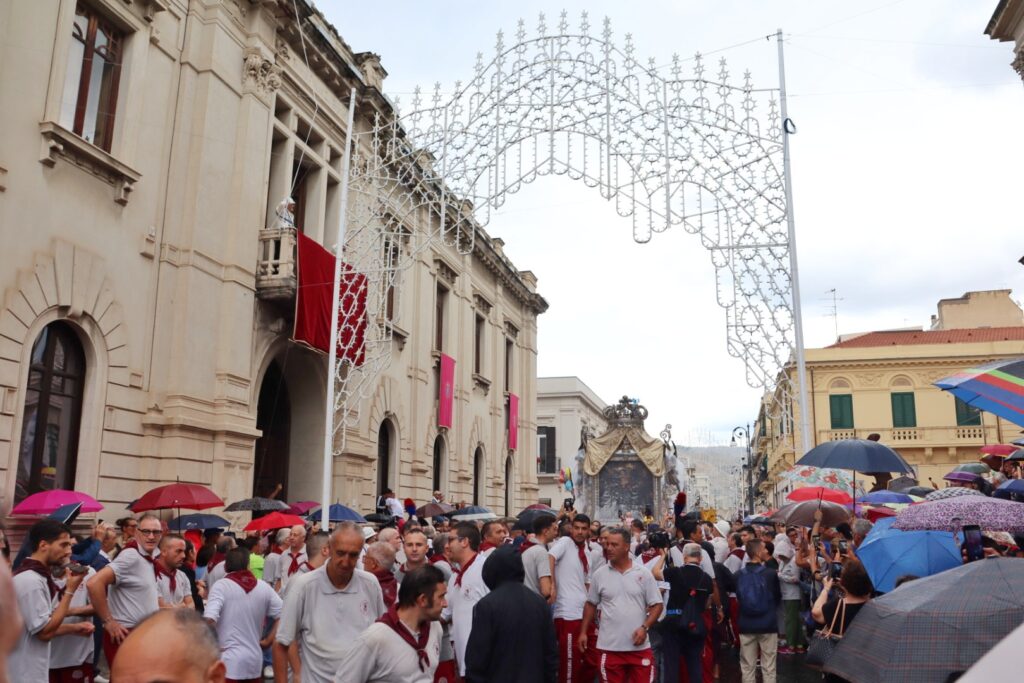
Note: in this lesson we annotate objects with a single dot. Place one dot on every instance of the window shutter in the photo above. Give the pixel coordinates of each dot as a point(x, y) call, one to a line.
point(841, 411)
point(904, 413)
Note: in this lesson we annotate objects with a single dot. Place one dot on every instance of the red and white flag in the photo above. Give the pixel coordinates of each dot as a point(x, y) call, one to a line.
point(446, 392)
point(513, 421)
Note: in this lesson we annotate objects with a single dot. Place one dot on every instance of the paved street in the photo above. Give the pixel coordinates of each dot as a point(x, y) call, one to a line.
point(790, 670)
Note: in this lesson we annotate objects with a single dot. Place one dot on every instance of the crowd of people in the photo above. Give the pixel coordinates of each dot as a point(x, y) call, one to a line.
point(566, 599)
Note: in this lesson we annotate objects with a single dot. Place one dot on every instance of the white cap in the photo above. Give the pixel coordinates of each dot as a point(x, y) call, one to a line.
point(368, 533)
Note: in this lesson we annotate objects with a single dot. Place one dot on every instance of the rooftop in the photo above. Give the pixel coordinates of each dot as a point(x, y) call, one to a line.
point(908, 337)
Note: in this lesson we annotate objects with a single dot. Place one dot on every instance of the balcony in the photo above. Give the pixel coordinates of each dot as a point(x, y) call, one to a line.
point(275, 269)
point(932, 437)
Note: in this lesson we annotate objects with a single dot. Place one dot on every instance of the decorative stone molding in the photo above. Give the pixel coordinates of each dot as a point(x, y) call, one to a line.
point(259, 73)
point(281, 49)
point(1018, 63)
point(868, 379)
point(60, 143)
point(482, 304)
point(445, 271)
point(3, 179)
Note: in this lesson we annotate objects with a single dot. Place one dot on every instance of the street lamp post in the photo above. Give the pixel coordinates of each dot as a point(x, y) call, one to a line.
point(745, 433)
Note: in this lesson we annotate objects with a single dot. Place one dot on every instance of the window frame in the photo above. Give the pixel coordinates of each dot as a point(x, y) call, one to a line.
point(97, 21)
point(548, 455)
point(965, 414)
point(904, 422)
point(835, 420)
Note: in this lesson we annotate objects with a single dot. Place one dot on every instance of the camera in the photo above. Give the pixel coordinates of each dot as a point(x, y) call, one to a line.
point(568, 503)
point(834, 570)
point(844, 547)
point(658, 539)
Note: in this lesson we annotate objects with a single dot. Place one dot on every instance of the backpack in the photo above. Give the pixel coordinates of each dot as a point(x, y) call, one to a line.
point(753, 593)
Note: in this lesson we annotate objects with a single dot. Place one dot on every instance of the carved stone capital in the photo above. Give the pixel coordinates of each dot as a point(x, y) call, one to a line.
point(1018, 63)
point(259, 73)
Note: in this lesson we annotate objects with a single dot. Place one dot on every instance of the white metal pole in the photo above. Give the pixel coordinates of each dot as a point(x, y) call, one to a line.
point(332, 352)
point(798, 323)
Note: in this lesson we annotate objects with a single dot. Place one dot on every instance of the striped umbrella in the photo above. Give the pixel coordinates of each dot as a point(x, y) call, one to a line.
point(997, 388)
point(951, 492)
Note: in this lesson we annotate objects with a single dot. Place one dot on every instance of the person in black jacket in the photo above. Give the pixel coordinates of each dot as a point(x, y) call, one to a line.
point(513, 637)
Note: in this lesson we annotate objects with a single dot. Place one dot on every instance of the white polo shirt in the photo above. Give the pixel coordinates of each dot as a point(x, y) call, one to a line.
point(327, 621)
point(461, 601)
point(623, 598)
point(570, 579)
point(73, 649)
point(705, 560)
point(239, 618)
point(537, 566)
point(395, 508)
point(270, 566)
point(30, 660)
point(284, 564)
point(182, 588)
point(380, 655)
point(215, 575)
point(133, 597)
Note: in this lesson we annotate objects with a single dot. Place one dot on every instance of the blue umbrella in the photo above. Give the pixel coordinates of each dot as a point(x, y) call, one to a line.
point(888, 553)
point(198, 520)
point(885, 498)
point(340, 513)
point(1012, 485)
point(860, 455)
point(997, 388)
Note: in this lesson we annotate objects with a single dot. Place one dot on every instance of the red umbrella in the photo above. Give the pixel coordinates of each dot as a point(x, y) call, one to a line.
point(302, 507)
point(820, 492)
point(45, 502)
point(275, 520)
point(997, 449)
point(874, 514)
point(188, 496)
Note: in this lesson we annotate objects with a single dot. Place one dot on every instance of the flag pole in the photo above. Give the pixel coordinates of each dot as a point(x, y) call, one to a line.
point(332, 351)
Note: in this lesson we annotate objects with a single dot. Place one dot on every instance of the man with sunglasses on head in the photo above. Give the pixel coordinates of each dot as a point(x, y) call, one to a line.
point(131, 581)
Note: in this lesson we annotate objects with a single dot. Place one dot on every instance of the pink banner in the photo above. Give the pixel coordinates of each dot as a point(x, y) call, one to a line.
point(513, 421)
point(446, 392)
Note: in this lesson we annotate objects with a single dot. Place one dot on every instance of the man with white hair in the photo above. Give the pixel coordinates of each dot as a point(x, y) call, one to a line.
point(292, 559)
point(272, 562)
point(379, 560)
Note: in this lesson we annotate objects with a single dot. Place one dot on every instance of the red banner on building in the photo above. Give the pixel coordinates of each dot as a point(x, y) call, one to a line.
point(313, 303)
point(446, 392)
point(513, 421)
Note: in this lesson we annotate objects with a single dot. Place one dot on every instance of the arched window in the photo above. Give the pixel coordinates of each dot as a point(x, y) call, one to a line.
point(384, 439)
point(53, 410)
point(509, 485)
point(439, 453)
point(478, 476)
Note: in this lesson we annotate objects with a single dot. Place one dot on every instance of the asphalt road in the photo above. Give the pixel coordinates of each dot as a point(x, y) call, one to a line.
point(789, 669)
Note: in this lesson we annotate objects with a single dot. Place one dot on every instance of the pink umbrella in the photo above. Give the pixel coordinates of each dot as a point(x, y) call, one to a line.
point(302, 507)
point(45, 502)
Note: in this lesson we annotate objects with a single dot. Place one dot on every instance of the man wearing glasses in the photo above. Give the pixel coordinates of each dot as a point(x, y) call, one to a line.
point(131, 579)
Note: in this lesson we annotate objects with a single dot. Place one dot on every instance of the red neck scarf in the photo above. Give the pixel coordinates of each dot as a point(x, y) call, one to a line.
point(134, 545)
point(435, 559)
point(215, 560)
point(581, 548)
point(244, 578)
point(648, 555)
point(388, 586)
point(294, 567)
point(737, 552)
point(463, 569)
point(31, 565)
point(486, 545)
point(171, 574)
point(391, 619)
point(526, 545)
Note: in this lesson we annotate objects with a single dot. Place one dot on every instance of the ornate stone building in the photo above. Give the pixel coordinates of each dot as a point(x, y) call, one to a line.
point(566, 408)
point(881, 382)
point(1007, 24)
point(148, 296)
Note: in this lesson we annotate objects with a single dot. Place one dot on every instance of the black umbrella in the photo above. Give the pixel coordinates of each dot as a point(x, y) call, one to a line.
point(902, 484)
point(528, 517)
point(921, 491)
point(1016, 456)
point(257, 505)
point(199, 520)
point(860, 455)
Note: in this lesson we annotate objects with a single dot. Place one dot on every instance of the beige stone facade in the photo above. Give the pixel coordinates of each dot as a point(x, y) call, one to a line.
point(565, 407)
point(149, 239)
point(1007, 24)
point(882, 382)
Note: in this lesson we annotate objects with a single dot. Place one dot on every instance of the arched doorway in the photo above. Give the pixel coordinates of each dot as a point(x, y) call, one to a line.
point(439, 463)
point(509, 485)
point(385, 455)
point(478, 476)
point(273, 448)
point(53, 408)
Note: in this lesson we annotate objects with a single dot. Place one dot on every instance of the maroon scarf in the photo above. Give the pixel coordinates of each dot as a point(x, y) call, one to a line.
point(134, 545)
point(294, 567)
point(388, 586)
point(391, 619)
point(581, 548)
point(215, 560)
point(526, 545)
point(462, 570)
point(244, 578)
point(30, 565)
point(171, 574)
point(486, 545)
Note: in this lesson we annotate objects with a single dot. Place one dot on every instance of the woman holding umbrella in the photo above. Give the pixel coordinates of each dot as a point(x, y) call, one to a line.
point(854, 591)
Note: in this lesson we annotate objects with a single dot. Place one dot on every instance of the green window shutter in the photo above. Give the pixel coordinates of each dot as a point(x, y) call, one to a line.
point(904, 413)
point(966, 415)
point(841, 411)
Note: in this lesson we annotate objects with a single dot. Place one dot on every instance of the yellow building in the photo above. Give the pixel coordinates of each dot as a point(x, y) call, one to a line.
point(882, 383)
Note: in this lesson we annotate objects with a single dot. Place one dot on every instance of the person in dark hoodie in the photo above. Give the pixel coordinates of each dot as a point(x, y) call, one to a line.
point(513, 637)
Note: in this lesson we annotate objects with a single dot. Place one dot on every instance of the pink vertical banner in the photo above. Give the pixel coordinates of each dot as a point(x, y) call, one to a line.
point(513, 421)
point(446, 392)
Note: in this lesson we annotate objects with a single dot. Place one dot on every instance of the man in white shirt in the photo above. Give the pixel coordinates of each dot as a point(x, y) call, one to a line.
point(172, 586)
point(42, 605)
point(71, 654)
point(293, 557)
point(415, 545)
point(327, 609)
point(272, 562)
point(570, 561)
point(216, 567)
point(494, 532)
point(317, 549)
point(535, 557)
point(404, 646)
point(132, 581)
point(465, 588)
point(238, 607)
point(630, 604)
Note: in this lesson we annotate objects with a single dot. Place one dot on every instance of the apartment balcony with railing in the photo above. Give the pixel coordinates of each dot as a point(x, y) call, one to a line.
point(970, 435)
point(276, 272)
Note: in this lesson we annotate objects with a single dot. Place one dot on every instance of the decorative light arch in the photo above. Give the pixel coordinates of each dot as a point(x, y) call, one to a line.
point(696, 150)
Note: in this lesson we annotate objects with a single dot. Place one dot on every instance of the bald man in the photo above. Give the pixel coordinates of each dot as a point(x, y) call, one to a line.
point(170, 645)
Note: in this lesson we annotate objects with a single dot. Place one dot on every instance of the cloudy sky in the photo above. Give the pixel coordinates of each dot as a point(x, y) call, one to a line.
point(906, 167)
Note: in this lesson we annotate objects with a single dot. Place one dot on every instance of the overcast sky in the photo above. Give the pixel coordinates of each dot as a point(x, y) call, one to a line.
point(906, 168)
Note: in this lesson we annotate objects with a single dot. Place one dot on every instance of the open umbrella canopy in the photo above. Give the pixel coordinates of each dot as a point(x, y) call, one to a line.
point(821, 476)
point(339, 513)
point(472, 513)
point(920, 491)
point(874, 513)
point(539, 506)
point(189, 496)
point(952, 514)
point(257, 504)
point(1016, 456)
point(802, 514)
point(860, 455)
point(995, 388)
point(526, 519)
point(929, 628)
point(951, 492)
point(819, 492)
point(974, 468)
point(302, 507)
point(435, 510)
point(275, 520)
point(45, 502)
point(1001, 663)
point(888, 553)
point(997, 449)
point(199, 520)
point(902, 483)
point(968, 477)
point(886, 498)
